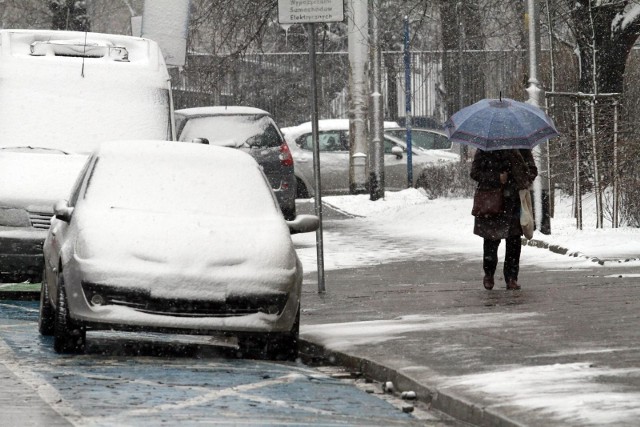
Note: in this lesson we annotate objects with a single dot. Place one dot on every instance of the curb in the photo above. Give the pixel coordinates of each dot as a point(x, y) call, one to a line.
point(564, 251)
point(19, 295)
point(446, 402)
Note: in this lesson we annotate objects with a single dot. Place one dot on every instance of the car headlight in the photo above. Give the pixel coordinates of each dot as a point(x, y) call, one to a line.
point(82, 249)
point(11, 217)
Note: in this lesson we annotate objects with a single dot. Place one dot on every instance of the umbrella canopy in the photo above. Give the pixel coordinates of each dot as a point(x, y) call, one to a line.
point(500, 124)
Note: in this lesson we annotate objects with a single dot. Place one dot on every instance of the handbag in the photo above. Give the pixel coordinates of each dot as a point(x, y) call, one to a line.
point(488, 202)
point(526, 214)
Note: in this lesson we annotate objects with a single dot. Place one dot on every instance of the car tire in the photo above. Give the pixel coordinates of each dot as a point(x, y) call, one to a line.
point(47, 314)
point(69, 336)
point(289, 213)
point(272, 346)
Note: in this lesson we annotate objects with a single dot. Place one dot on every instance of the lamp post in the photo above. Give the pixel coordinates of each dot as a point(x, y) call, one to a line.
point(358, 39)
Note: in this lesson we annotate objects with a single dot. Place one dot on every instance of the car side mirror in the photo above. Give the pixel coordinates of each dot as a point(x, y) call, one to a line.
point(304, 224)
point(62, 210)
point(397, 151)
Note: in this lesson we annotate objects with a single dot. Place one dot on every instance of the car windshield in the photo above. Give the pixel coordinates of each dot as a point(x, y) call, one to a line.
point(423, 139)
point(31, 149)
point(233, 130)
point(159, 185)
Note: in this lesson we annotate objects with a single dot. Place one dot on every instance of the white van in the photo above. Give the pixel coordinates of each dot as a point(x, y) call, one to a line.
point(61, 94)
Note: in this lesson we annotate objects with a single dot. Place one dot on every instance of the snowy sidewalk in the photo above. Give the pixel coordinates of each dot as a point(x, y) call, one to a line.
point(446, 226)
point(404, 303)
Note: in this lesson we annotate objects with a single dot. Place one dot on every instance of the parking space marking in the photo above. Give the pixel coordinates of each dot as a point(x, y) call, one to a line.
point(40, 386)
point(19, 307)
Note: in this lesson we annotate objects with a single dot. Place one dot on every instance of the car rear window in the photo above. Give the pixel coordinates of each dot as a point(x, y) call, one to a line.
point(233, 130)
point(423, 139)
point(329, 141)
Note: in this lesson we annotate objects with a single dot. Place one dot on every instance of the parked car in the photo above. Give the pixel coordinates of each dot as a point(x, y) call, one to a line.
point(251, 130)
point(63, 93)
point(145, 243)
point(333, 137)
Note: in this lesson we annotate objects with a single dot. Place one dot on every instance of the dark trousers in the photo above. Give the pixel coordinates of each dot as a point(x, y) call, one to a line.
point(511, 258)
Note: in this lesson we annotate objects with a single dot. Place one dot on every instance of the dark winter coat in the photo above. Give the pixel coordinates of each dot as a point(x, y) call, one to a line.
point(486, 169)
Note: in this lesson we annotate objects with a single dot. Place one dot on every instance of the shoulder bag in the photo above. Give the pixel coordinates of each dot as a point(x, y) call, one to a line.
point(526, 213)
point(487, 203)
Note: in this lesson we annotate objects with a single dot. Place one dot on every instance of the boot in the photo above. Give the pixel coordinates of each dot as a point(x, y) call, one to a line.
point(488, 282)
point(512, 285)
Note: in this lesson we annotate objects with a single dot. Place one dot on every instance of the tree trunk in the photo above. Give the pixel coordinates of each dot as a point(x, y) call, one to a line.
point(594, 28)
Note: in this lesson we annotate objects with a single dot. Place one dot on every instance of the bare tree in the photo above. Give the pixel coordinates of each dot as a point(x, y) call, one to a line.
point(604, 31)
point(69, 15)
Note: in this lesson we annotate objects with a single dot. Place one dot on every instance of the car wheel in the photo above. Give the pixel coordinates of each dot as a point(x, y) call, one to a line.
point(289, 213)
point(272, 346)
point(35, 277)
point(301, 190)
point(47, 314)
point(69, 336)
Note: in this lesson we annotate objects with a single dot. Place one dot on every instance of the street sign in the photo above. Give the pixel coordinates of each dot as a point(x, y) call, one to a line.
point(310, 11)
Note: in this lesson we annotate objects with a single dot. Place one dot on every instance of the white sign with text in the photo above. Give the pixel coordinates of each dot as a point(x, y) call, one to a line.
point(309, 11)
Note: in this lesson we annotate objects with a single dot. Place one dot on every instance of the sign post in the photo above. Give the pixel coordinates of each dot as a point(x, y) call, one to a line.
point(310, 12)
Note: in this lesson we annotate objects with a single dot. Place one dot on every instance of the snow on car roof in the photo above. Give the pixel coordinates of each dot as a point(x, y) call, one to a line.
point(219, 110)
point(140, 50)
point(155, 176)
point(325, 125)
point(149, 150)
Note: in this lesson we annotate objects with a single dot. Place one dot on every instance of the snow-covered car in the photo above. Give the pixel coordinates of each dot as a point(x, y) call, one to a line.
point(333, 137)
point(249, 129)
point(145, 243)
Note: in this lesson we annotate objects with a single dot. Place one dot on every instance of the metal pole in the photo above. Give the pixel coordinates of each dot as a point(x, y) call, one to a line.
point(311, 28)
point(376, 148)
point(535, 92)
point(547, 156)
point(578, 191)
point(358, 39)
point(464, 149)
point(616, 175)
point(596, 170)
point(407, 101)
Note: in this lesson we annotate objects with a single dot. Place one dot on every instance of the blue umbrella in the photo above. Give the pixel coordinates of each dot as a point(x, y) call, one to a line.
point(500, 124)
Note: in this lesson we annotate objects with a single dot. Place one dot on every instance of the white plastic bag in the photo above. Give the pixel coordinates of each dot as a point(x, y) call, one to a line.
point(526, 213)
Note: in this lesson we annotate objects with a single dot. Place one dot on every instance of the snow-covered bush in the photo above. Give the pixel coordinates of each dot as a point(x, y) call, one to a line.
point(446, 180)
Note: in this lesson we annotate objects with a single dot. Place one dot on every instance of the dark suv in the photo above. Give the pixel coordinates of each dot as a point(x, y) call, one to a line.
point(248, 129)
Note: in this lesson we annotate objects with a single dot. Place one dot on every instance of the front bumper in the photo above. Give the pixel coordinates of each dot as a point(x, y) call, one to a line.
point(21, 256)
point(233, 310)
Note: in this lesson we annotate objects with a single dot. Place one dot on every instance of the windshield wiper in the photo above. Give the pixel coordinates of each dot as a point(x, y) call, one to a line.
point(34, 148)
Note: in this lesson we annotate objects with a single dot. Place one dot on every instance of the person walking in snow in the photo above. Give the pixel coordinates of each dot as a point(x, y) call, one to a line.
point(510, 170)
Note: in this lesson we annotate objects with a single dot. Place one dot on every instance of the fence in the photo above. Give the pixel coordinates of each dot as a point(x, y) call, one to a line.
point(278, 82)
point(442, 82)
